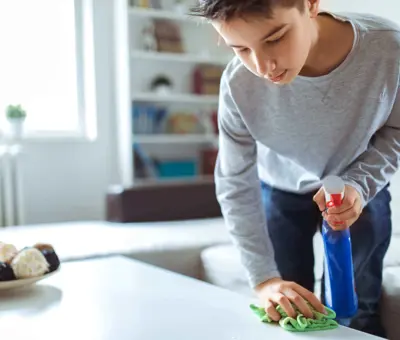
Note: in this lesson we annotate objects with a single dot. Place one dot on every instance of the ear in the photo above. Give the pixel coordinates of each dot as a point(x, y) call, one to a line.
point(313, 8)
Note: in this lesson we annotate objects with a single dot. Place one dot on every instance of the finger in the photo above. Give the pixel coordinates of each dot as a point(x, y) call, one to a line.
point(299, 301)
point(340, 209)
point(350, 214)
point(340, 227)
point(285, 304)
point(347, 224)
point(271, 311)
point(311, 298)
point(344, 216)
point(330, 218)
point(335, 224)
point(319, 199)
point(333, 219)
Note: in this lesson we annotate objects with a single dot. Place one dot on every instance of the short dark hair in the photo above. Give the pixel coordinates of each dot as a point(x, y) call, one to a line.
point(224, 10)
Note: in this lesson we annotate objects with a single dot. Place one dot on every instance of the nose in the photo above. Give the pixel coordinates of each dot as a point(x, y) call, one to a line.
point(271, 66)
point(264, 64)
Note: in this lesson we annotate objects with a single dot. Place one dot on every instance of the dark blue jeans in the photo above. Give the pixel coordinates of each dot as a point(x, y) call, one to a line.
point(292, 221)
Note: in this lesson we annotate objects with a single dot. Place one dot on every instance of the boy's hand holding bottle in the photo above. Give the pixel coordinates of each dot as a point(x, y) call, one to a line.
point(340, 218)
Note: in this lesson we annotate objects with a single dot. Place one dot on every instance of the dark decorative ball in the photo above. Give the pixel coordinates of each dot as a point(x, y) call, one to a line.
point(6, 272)
point(52, 259)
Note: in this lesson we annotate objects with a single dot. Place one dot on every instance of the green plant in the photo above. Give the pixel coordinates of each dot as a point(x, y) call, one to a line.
point(15, 112)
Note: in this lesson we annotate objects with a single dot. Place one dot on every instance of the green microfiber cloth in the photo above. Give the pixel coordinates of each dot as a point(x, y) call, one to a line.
point(320, 321)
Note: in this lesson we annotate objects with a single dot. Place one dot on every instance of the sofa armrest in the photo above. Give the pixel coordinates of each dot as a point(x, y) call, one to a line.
point(178, 200)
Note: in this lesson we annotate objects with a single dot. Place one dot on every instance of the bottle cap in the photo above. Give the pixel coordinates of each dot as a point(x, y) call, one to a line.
point(334, 190)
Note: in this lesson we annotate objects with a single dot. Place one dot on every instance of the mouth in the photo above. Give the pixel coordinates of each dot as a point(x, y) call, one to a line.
point(278, 78)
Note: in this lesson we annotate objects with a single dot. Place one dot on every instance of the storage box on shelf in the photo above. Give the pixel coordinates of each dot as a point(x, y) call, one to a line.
point(174, 64)
point(167, 166)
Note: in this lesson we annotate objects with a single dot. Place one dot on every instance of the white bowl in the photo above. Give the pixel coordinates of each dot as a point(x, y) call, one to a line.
point(13, 284)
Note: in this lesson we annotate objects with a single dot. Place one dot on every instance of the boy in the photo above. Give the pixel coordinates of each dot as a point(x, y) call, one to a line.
point(309, 94)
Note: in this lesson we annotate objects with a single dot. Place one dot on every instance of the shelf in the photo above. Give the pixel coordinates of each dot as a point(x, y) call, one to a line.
point(173, 180)
point(162, 14)
point(179, 57)
point(175, 98)
point(174, 139)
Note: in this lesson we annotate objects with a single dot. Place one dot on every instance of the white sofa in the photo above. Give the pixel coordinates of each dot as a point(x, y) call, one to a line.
point(198, 248)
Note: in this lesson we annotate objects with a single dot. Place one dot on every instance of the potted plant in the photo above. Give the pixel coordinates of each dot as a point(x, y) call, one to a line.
point(15, 116)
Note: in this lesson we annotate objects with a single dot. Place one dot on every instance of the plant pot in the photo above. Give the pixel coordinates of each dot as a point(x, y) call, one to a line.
point(16, 128)
point(180, 7)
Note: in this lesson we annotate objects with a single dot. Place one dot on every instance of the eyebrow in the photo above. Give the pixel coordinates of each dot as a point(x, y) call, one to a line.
point(272, 32)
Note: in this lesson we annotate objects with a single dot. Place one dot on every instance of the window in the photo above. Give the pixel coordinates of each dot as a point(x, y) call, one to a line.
point(42, 64)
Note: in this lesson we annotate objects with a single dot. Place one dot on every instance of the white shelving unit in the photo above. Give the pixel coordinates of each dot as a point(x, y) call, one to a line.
point(176, 139)
point(178, 58)
point(175, 98)
point(161, 14)
point(137, 67)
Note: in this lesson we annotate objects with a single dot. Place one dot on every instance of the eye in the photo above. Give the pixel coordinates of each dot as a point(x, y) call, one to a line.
point(243, 50)
point(275, 41)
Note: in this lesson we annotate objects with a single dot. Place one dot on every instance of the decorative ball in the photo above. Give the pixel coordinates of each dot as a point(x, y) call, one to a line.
point(7, 252)
point(6, 272)
point(29, 262)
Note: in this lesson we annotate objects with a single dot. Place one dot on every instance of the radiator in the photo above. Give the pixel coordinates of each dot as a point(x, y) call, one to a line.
point(11, 202)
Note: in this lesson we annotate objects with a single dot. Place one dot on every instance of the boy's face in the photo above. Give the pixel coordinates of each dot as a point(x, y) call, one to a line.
point(277, 48)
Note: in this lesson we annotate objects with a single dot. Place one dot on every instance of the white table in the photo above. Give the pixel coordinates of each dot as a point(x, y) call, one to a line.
point(121, 299)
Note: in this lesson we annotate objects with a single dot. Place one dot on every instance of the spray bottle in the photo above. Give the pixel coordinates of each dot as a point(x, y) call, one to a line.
point(340, 292)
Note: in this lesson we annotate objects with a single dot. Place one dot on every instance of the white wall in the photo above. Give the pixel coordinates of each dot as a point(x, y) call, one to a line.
point(387, 8)
point(67, 180)
point(391, 10)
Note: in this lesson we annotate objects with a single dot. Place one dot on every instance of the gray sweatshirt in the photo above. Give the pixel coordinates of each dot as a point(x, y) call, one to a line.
point(346, 123)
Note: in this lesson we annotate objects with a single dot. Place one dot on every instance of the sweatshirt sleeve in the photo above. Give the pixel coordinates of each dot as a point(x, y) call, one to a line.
point(374, 168)
point(239, 192)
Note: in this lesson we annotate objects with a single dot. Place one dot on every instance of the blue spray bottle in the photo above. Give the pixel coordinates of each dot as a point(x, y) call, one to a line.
point(340, 294)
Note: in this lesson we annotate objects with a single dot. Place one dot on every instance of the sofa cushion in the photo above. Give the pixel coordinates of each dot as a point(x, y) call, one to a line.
point(395, 203)
point(391, 301)
point(222, 266)
point(392, 258)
